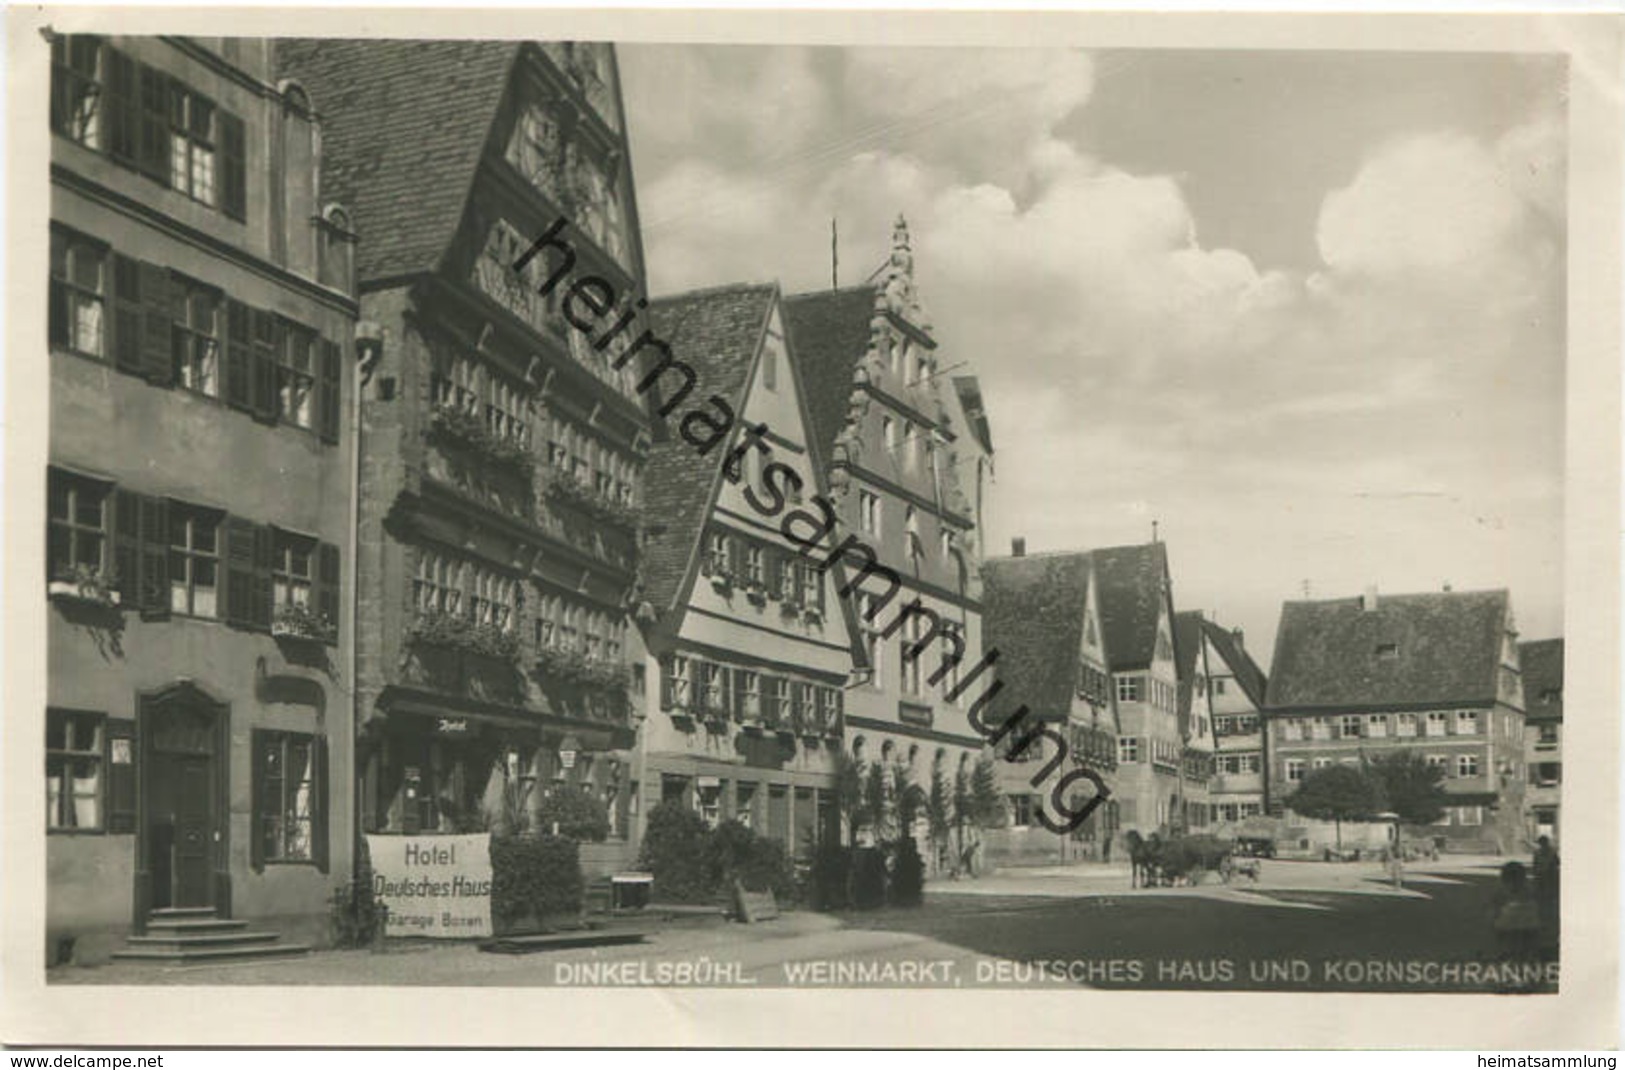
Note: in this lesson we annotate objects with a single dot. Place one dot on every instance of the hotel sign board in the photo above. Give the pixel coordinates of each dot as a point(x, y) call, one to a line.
point(434, 886)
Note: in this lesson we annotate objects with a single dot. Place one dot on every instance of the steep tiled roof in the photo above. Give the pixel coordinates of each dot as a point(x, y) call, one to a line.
point(1032, 614)
point(403, 126)
point(717, 332)
point(1130, 580)
point(830, 334)
point(1542, 663)
point(1447, 647)
point(1246, 670)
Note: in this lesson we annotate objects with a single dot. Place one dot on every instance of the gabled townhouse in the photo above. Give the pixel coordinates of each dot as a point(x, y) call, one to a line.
point(747, 637)
point(1235, 690)
point(906, 475)
point(502, 434)
point(1542, 664)
point(1434, 673)
point(199, 494)
point(1041, 613)
point(1137, 616)
point(1195, 722)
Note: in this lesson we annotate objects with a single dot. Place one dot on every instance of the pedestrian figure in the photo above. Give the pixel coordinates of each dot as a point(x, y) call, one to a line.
point(1516, 918)
point(1547, 895)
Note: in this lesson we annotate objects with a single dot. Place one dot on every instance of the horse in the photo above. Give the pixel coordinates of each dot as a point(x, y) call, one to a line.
point(1145, 864)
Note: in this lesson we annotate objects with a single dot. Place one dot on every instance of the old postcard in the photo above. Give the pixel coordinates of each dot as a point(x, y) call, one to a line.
point(677, 520)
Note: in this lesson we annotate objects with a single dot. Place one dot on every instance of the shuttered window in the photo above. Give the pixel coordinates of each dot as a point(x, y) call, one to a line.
point(78, 294)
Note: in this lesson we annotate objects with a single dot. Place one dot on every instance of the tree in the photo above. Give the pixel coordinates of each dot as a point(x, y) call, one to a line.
point(874, 800)
point(1337, 793)
point(849, 796)
point(962, 803)
point(987, 802)
point(1410, 787)
point(908, 797)
point(938, 811)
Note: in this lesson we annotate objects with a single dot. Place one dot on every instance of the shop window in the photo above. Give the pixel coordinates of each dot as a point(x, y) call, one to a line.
point(78, 296)
point(73, 771)
point(288, 797)
point(194, 561)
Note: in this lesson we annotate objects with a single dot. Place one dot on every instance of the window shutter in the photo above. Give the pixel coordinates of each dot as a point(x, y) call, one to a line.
point(666, 687)
point(121, 102)
point(798, 711)
point(128, 317)
point(58, 313)
point(739, 694)
point(267, 332)
point(260, 741)
point(157, 362)
point(120, 775)
point(238, 389)
point(154, 569)
point(152, 151)
point(126, 542)
point(818, 589)
point(775, 571)
point(240, 597)
point(233, 167)
point(328, 585)
point(321, 796)
point(264, 556)
point(327, 395)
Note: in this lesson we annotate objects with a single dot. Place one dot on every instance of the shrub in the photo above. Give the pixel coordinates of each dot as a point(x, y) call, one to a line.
point(533, 878)
point(829, 869)
point(675, 850)
point(354, 912)
point(579, 814)
point(908, 874)
point(764, 866)
point(868, 878)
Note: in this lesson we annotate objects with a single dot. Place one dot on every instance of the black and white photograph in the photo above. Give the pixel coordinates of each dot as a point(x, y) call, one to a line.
point(813, 511)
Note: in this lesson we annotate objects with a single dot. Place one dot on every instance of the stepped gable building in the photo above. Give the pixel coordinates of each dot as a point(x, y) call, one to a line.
point(1137, 618)
point(199, 564)
point(1435, 673)
point(1041, 613)
point(750, 642)
point(906, 474)
point(1542, 664)
point(1235, 696)
point(1195, 721)
point(502, 447)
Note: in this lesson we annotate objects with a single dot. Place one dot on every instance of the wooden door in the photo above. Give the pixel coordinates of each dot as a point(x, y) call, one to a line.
point(193, 873)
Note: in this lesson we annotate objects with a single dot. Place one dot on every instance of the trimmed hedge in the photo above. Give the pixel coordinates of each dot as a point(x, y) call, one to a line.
point(693, 863)
point(907, 887)
point(533, 878)
point(580, 815)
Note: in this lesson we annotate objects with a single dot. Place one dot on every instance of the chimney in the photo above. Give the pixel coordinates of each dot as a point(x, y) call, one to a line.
point(1368, 600)
point(1239, 637)
point(1018, 546)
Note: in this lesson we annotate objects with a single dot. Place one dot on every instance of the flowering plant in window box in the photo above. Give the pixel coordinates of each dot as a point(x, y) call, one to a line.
point(463, 634)
point(463, 428)
point(756, 591)
point(295, 621)
point(722, 582)
point(813, 615)
point(86, 583)
point(565, 489)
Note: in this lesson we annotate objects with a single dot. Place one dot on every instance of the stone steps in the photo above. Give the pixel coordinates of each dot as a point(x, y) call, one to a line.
point(183, 936)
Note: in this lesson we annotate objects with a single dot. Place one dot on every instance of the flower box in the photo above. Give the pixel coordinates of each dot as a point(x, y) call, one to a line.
point(462, 428)
point(464, 635)
point(721, 583)
point(812, 616)
point(85, 584)
point(72, 591)
point(757, 594)
point(301, 622)
point(565, 489)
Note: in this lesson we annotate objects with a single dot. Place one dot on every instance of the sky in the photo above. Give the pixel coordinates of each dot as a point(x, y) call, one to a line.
point(1304, 310)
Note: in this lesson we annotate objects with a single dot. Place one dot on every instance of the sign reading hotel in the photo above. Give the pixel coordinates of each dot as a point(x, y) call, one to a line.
point(436, 886)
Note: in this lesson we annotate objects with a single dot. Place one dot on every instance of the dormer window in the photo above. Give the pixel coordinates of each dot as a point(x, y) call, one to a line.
point(1387, 651)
